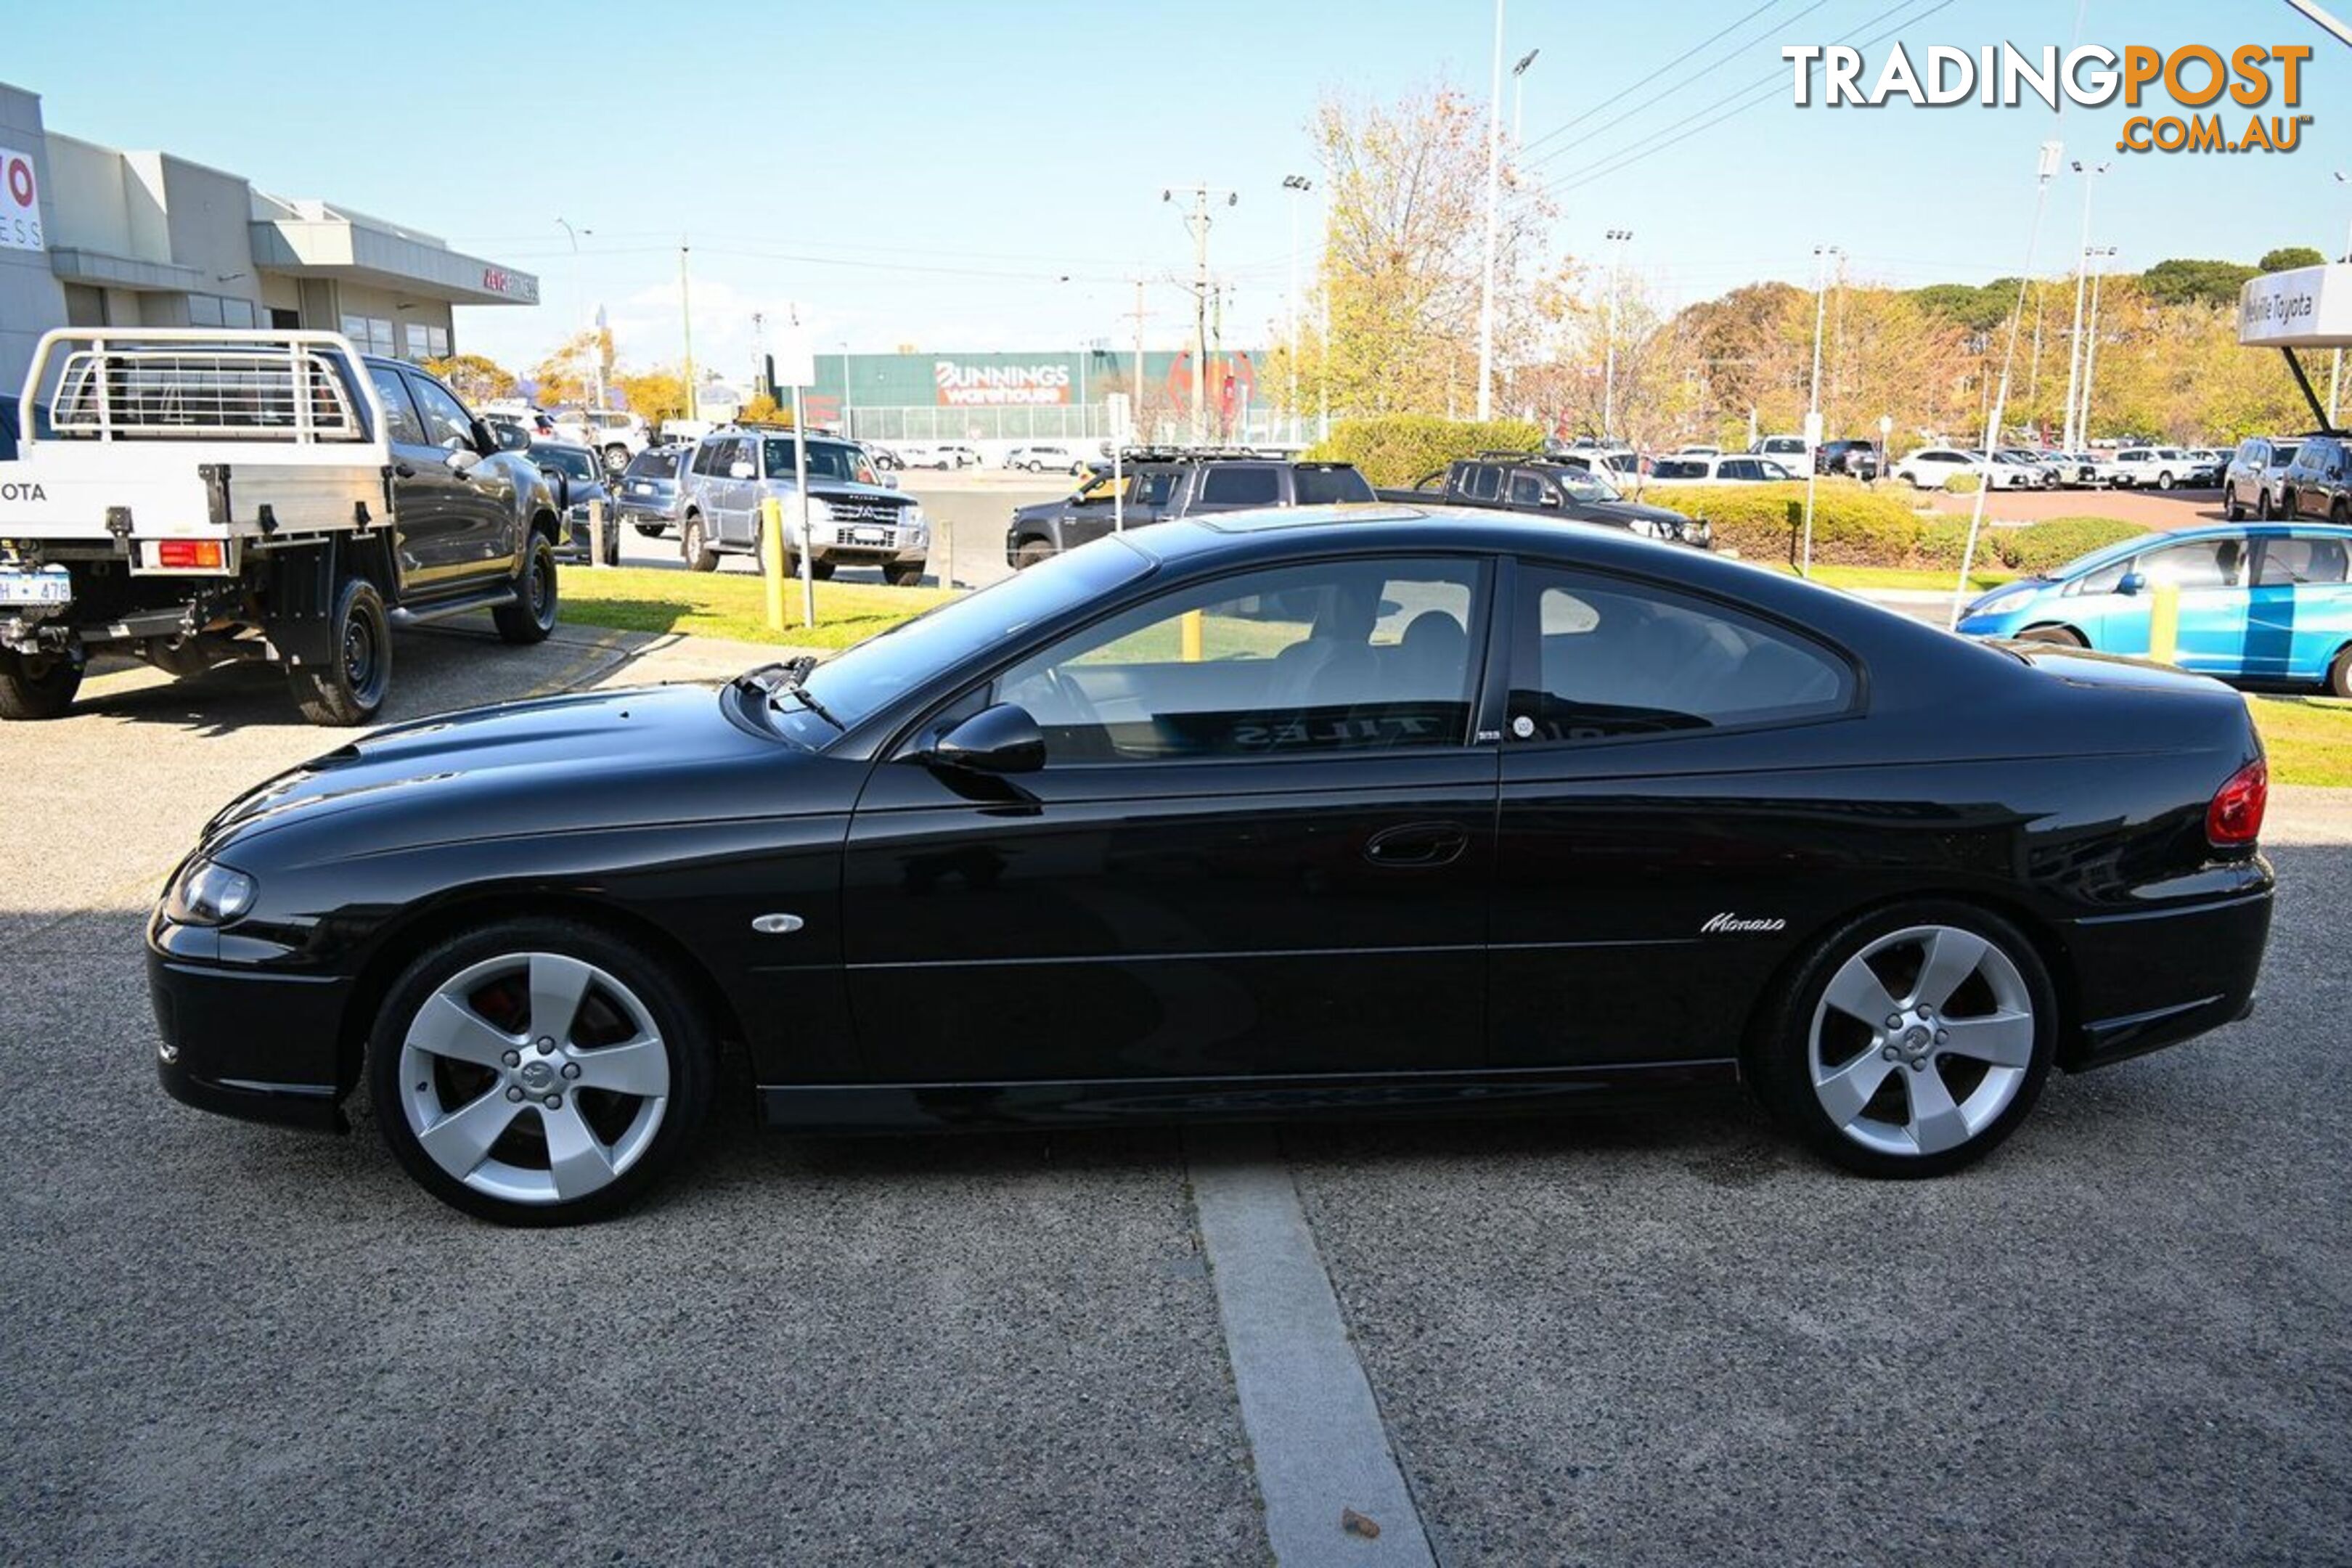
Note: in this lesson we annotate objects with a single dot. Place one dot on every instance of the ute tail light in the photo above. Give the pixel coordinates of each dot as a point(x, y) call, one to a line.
point(2234, 819)
point(186, 554)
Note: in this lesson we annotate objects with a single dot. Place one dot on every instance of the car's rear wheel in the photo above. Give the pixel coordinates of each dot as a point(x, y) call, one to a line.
point(2063, 636)
point(695, 547)
point(349, 686)
point(36, 686)
point(532, 617)
point(2164, 480)
point(538, 1071)
point(1912, 1041)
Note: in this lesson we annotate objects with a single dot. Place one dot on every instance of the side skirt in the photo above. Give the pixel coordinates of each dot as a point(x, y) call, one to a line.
point(839, 1108)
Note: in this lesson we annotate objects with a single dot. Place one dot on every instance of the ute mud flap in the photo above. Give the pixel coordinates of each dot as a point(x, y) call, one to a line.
point(299, 589)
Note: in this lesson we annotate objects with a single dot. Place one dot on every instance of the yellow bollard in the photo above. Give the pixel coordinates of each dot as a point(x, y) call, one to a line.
point(1188, 637)
point(772, 559)
point(2164, 622)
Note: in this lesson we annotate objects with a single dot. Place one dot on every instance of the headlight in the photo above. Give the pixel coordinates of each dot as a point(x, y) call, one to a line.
point(207, 893)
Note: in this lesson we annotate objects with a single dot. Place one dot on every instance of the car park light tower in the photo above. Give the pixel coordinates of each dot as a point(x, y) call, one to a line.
point(1822, 254)
point(1494, 203)
point(2101, 255)
point(1617, 237)
point(2074, 434)
point(1520, 99)
point(1297, 185)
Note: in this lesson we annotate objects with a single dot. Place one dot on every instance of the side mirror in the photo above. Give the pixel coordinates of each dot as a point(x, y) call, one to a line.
point(889, 481)
point(742, 471)
point(461, 460)
point(999, 740)
point(2132, 582)
point(1551, 498)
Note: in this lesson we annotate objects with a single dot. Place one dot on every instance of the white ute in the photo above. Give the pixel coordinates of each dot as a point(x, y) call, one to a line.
point(194, 497)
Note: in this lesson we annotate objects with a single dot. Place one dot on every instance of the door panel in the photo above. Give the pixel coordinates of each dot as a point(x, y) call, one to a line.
point(1274, 861)
point(427, 519)
point(483, 539)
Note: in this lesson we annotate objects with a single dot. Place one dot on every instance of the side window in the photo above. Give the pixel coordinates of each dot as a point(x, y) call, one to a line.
point(1240, 487)
point(1737, 468)
point(2292, 562)
point(1593, 659)
point(401, 425)
point(2105, 579)
point(1351, 655)
point(703, 456)
point(1526, 489)
point(2205, 563)
point(1157, 487)
point(1481, 482)
point(447, 423)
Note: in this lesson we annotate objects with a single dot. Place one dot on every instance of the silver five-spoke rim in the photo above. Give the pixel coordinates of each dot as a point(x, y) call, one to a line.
point(535, 1077)
point(1922, 1040)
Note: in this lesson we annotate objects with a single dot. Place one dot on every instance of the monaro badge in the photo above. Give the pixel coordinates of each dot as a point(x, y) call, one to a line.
point(1729, 923)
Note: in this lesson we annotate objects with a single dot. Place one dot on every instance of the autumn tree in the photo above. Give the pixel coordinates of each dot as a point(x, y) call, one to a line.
point(473, 377)
point(572, 374)
point(654, 394)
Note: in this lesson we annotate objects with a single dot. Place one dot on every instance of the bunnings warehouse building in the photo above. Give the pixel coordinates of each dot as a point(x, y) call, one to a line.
point(1016, 397)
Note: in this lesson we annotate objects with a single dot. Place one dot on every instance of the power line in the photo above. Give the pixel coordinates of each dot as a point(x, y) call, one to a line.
point(1695, 49)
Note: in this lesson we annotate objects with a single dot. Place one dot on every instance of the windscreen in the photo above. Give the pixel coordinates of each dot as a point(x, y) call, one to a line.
point(826, 460)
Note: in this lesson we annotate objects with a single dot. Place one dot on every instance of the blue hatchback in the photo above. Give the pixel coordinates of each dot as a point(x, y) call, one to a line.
point(2262, 602)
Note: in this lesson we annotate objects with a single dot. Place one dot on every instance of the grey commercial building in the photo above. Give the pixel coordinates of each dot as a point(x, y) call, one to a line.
point(96, 237)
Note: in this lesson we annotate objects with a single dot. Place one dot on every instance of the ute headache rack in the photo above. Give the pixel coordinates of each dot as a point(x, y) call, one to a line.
point(180, 385)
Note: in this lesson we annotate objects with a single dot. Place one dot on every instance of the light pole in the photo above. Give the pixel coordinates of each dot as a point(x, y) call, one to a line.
point(2074, 433)
point(845, 423)
point(1822, 254)
point(1617, 237)
point(2335, 373)
point(596, 349)
point(1494, 203)
point(1520, 99)
point(1297, 185)
point(2090, 345)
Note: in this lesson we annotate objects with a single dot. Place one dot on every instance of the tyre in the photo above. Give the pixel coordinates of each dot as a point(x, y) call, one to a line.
point(2341, 513)
point(2290, 505)
point(902, 574)
point(538, 1071)
point(2262, 505)
point(2164, 480)
point(2060, 636)
point(822, 571)
point(2231, 511)
point(1911, 1041)
point(2339, 673)
point(36, 686)
point(1031, 554)
point(652, 529)
point(615, 460)
point(695, 548)
point(611, 544)
point(351, 686)
point(532, 616)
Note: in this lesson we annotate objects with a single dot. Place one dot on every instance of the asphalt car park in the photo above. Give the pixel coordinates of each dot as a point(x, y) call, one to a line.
point(1665, 1337)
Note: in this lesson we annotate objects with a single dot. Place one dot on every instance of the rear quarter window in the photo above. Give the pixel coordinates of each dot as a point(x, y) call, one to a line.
point(1330, 487)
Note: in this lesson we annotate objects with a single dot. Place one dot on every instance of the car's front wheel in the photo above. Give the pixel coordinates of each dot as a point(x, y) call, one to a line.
point(2231, 510)
point(538, 1071)
point(2263, 504)
point(2164, 480)
point(1912, 1041)
point(902, 574)
point(695, 547)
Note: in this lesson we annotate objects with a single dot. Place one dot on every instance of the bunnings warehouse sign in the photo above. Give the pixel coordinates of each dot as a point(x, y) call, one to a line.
point(963, 384)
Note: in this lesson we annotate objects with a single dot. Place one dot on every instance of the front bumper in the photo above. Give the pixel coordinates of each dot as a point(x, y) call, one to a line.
point(248, 1043)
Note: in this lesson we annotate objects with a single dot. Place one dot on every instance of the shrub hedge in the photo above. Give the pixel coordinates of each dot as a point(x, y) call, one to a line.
point(1855, 525)
point(1395, 450)
point(1963, 484)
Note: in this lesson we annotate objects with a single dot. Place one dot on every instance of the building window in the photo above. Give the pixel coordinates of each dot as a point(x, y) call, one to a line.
point(236, 313)
point(439, 338)
point(204, 310)
point(420, 346)
point(369, 334)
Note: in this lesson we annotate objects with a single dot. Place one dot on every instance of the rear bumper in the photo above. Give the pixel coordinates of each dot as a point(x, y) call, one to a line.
point(246, 1043)
point(2152, 980)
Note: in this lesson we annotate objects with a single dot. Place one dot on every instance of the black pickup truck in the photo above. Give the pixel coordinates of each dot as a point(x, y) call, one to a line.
point(1161, 485)
point(1543, 487)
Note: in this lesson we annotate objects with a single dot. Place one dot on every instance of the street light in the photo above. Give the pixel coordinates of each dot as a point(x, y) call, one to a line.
point(1297, 185)
point(2101, 255)
point(2074, 430)
point(1494, 203)
point(2336, 374)
point(596, 350)
point(1822, 254)
point(1617, 237)
point(1520, 98)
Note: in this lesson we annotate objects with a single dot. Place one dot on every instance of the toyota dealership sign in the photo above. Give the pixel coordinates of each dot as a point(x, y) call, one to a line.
point(20, 203)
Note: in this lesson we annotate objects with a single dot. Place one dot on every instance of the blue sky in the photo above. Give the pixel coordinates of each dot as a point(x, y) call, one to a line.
point(926, 172)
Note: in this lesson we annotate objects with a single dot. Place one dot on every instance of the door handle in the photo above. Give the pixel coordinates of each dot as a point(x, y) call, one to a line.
point(1417, 844)
point(403, 471)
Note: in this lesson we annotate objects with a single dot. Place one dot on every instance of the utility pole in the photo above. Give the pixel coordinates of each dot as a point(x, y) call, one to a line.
point(1137, 421)
point(2074, 434)
point(686, 322)
point(1822, 254)
point(1617, 237)
point(1198, 221)
point(1494, 202)
point(2336, 374)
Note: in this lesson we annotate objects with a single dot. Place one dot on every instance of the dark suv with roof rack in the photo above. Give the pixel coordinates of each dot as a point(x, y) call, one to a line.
point(1159, 484)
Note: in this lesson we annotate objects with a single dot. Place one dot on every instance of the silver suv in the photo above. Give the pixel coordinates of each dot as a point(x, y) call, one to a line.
point(2250, 482)
point(856, 516)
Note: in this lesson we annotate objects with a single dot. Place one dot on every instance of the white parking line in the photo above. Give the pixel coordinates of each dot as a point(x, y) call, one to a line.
point(1314, 1430)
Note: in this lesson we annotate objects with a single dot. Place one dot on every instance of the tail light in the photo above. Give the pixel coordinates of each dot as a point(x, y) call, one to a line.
point(186, 554)
point(2234, 819)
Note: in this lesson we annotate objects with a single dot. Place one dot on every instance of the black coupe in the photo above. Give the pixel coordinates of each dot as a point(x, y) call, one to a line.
point(1369, 809)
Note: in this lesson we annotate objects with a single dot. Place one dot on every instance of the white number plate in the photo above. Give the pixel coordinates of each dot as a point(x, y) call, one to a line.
point(869, 536)
point(49, 585)
point(641, 487)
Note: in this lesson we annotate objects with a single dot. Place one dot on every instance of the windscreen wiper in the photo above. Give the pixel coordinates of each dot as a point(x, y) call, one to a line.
point(782, 680)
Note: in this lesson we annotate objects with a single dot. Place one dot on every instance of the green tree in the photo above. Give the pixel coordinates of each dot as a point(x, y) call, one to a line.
point(2287, 258)
point(473, 377)
point(2181, 282)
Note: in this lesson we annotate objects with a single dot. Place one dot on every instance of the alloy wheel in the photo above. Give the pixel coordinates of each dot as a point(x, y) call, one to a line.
point(1921, 1040)
point(534, 1077)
